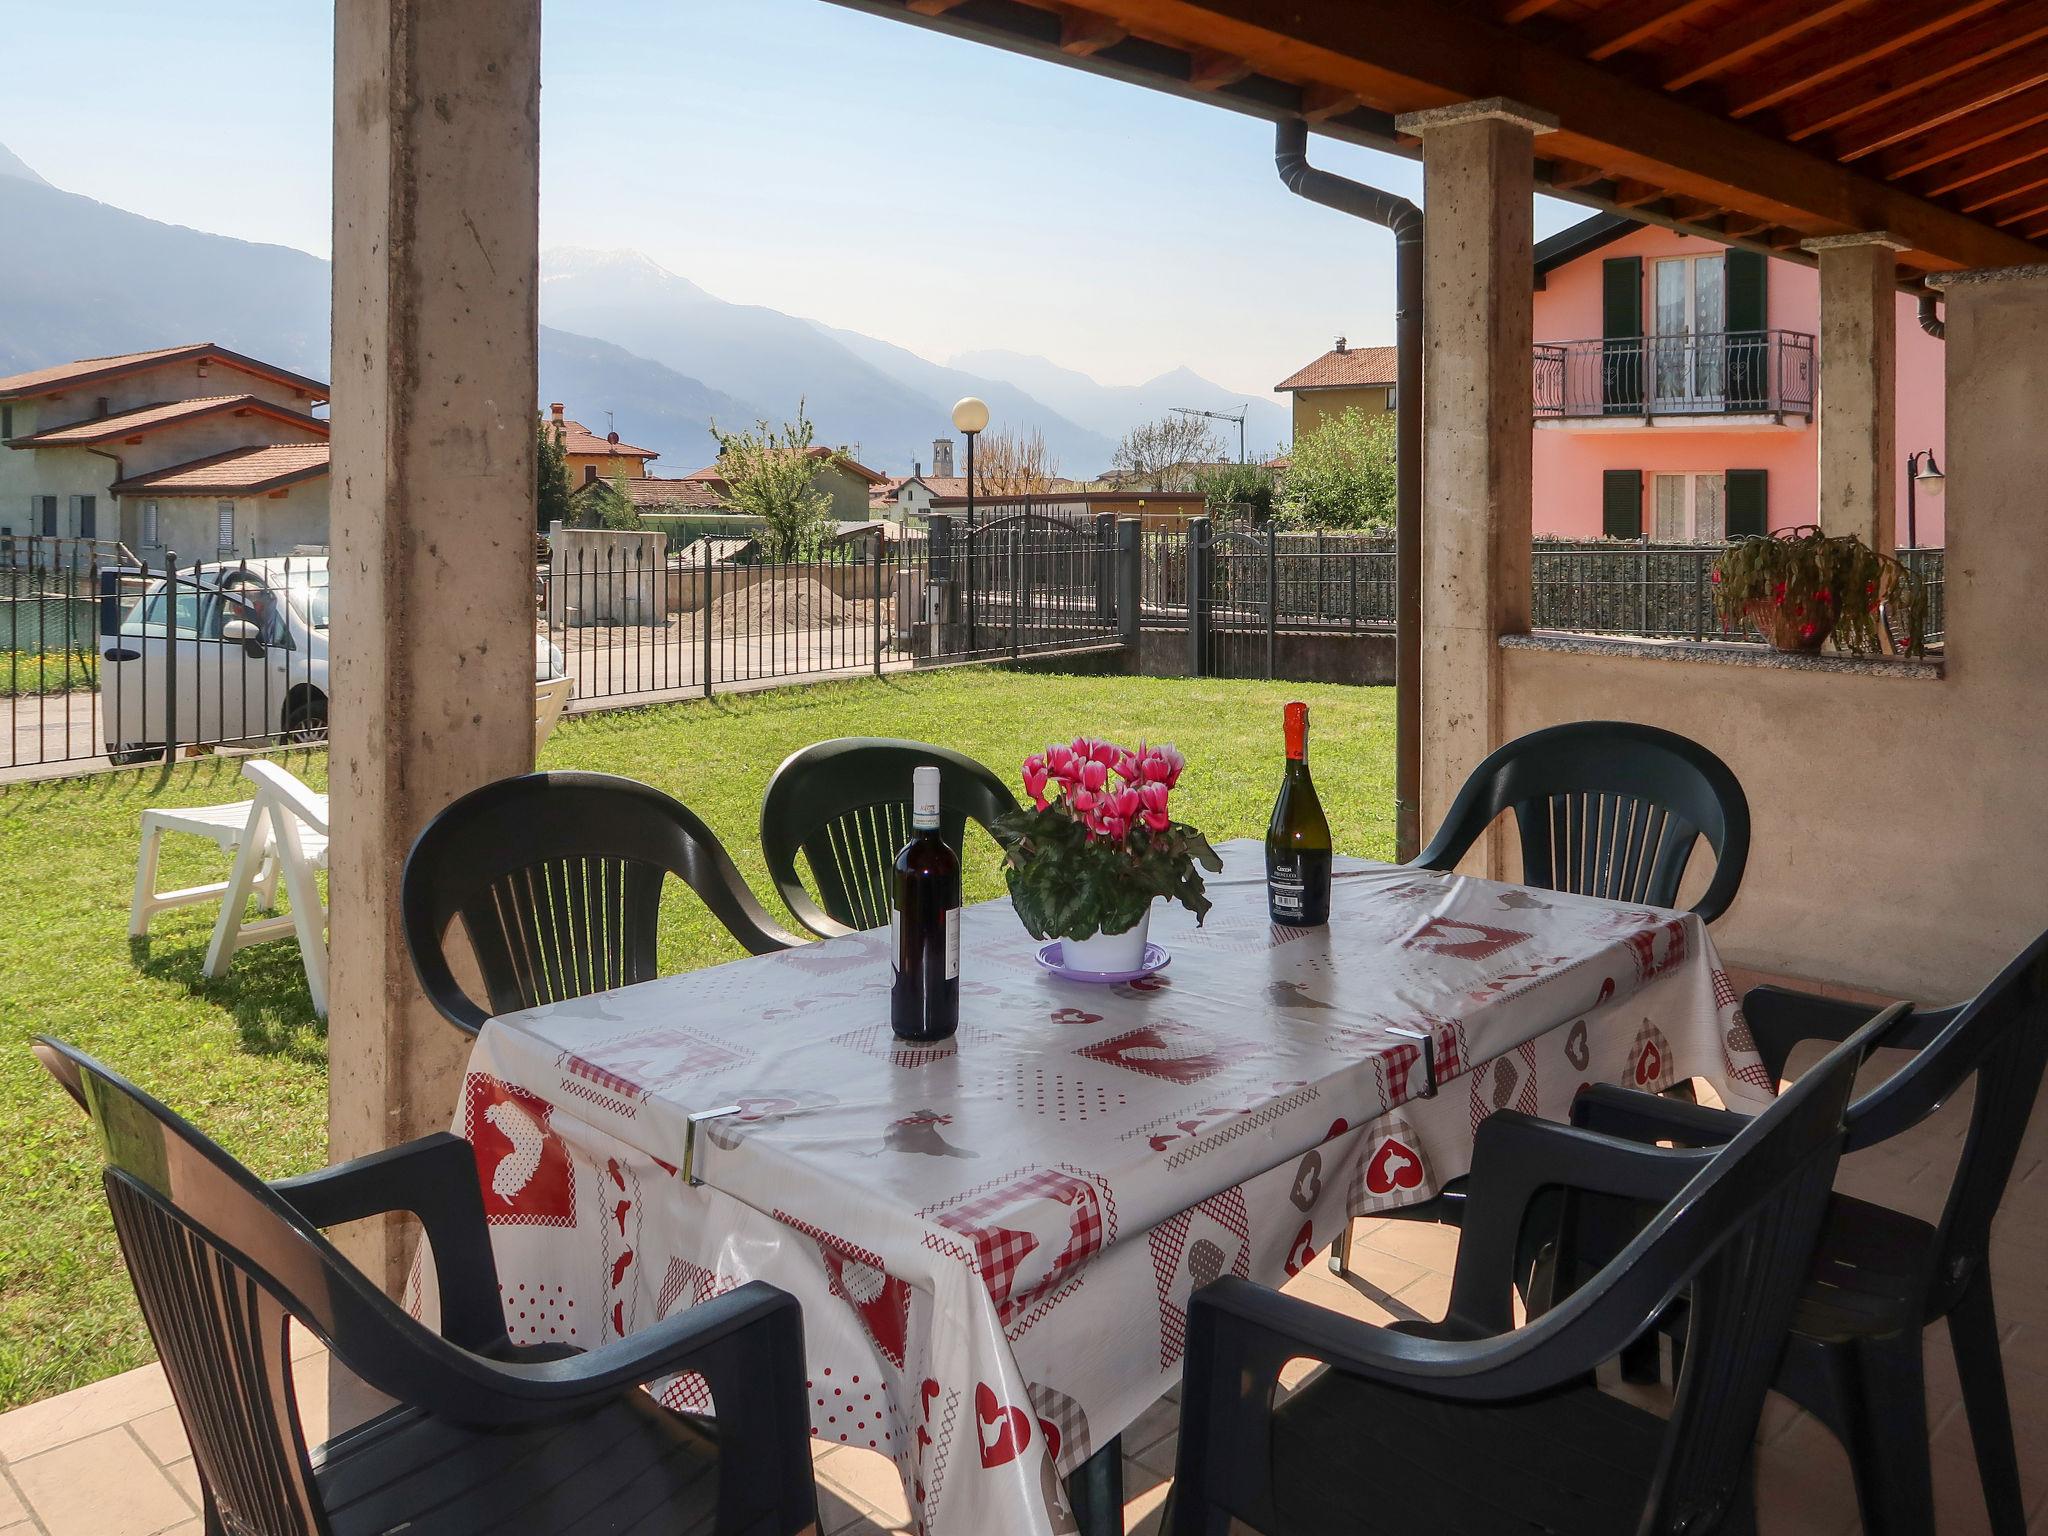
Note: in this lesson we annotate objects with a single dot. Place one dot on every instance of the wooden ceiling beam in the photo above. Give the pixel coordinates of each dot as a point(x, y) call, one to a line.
point(1631, 24)
point(2029, 176)
point(2024, 209)
point(1989, 163)
point(1635, 194)
point(1743, 226)
point(1959, 141)
point(1917, 111)
point(1405, 55)
point(2036, 231)
point(1955, 60)
point(1830, 53)
point(1567, 176)
point(930, 7)
point(1319, 103)
point(1084, 34)
point(1765, 25)
point(1521, 10)
point(1211, 70)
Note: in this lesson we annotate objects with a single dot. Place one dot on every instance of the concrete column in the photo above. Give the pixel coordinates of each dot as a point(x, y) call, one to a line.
point(1858, 412)
point(1478, 411)
point(436, 255)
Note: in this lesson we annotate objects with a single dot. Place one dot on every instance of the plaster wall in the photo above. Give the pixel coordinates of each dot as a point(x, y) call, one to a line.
point(1897, 824)
point(1313, 407)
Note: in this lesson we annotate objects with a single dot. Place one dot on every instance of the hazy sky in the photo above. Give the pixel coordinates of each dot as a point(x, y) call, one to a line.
point(939, 194)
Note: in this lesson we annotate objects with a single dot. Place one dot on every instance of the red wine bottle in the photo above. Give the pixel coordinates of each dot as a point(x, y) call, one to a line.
point(1298, 840)
point(924, 923)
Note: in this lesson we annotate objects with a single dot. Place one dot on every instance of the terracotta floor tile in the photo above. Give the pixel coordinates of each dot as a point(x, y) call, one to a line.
point(86, 1411)
point(11, 1507)
point(99, 1486)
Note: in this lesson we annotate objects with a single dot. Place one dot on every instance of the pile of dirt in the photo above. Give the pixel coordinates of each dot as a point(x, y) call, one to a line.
point(775, 604)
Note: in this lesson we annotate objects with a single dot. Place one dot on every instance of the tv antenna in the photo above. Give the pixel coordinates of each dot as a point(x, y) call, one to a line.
point(1238, 417)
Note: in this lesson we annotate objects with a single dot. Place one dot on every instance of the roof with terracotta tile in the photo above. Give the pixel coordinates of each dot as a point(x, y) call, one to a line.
point(124, 424)
point(1344, 368)
point(238, 472)
point(648, 494)
point(577, 438)
point(92, 370)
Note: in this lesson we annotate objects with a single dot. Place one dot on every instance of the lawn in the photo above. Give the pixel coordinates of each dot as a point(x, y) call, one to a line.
point(30, 672)
point(246, 1058)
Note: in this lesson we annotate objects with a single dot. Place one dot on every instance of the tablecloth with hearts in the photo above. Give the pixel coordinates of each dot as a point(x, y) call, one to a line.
point(994, 1240)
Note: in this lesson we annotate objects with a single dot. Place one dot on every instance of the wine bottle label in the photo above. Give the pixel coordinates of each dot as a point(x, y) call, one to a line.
point(952, 943)
point(1289, 892)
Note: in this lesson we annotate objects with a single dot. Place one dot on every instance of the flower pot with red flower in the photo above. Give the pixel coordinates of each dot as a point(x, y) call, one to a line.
point(1097, 845)
point(1801, 588)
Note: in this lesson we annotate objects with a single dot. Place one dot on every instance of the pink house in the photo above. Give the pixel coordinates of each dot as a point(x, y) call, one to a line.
point(1675, 382)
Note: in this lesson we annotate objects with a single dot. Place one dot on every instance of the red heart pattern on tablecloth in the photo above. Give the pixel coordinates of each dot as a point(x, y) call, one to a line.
point(1460, 939)
point(1169, 1049)
point(1396, 1165)
point(1303, 1250)
point(1001, 1431)
point(1649, 1059)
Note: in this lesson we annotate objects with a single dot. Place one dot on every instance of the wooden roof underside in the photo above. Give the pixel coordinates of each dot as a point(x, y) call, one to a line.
point(1758, 122)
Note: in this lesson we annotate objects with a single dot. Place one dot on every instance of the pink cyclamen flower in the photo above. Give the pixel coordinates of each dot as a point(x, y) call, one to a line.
point(1126, 764)
point(1112, 827)
point(1081, 800)
point(1034, 779)
point(1094, 775)
point(1061, 762)
point(1122, 802)
point(1094, 751)
point(1161, 765)
point(1152, 797)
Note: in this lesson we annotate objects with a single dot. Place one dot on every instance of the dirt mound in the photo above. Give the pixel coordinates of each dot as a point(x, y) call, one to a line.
point(778, 603)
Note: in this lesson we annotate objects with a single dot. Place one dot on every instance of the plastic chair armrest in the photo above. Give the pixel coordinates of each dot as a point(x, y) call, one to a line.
point(1612, 1110)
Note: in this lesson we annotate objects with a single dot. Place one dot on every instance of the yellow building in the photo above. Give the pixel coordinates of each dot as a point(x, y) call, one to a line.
point(591, 457)
point(1342, 377)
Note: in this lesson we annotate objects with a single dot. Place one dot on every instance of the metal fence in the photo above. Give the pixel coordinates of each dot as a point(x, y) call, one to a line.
point(1709, 374)
point(103, 655)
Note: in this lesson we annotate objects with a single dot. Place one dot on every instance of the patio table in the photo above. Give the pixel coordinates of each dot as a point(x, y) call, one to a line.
point(994, 1240)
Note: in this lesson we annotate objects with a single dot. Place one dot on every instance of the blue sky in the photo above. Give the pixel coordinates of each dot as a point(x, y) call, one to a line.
point(944, 196)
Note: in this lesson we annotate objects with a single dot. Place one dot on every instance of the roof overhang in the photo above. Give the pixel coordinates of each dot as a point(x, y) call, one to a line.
point(1690, 137)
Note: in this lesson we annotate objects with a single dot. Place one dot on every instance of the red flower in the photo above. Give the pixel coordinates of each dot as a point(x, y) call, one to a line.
point(1778, 590)
point(1034, 779)
point(1715, 578)
point(1807, 630)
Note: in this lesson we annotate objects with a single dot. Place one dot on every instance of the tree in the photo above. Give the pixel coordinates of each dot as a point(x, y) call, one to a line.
point(551, 503)
point(1238, 490)
point(609, 506)
point(1342, 474)
point(1008, 463)
point(1166, 455)
point(770, 473)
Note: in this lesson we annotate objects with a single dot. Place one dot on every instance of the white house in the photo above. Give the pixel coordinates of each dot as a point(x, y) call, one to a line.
point(195, 450)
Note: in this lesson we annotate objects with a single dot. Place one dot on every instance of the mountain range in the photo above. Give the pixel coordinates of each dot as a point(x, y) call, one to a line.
point(620, 337)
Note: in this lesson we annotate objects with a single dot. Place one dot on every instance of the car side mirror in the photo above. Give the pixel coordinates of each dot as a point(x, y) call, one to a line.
point(245, 634)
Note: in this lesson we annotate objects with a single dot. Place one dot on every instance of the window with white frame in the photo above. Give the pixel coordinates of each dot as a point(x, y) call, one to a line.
point(1687, 509)
point(224, 514)
point(152, 523)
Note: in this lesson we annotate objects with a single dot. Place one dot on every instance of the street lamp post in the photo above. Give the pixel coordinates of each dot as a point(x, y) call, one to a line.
point(1928, 478)
point(970, 416)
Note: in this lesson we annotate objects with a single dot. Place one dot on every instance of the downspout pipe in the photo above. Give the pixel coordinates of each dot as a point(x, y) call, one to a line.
point(1404, 219)
point(1930, 322)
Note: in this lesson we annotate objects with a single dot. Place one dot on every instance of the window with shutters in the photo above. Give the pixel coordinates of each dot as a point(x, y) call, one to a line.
point(224, 515)
point(1687, 509)
point(46, 506)
point(85, 516)
point(152, 524)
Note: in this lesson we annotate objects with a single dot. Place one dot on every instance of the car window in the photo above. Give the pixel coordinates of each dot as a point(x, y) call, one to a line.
point(247, 597)
point(148, 616)
point(307, 589)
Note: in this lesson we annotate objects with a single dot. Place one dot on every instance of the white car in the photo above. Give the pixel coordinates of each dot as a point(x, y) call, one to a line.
point(247, 641)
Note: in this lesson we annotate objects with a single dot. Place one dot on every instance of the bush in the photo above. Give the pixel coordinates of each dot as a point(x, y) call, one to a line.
point(1342, 475)
point(1239, 489)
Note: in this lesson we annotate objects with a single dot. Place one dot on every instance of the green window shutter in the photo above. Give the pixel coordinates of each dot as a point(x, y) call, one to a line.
point(1621, 296)
point(1746, 503)
point(1748, 284)
point(1621, 503)
point(1621, 327)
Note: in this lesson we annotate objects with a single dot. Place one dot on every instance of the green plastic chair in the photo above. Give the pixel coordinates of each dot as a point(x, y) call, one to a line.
point(845, 806)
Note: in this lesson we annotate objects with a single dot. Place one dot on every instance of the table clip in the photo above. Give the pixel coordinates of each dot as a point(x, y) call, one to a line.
point(1428, 1039)
point(690, 1125)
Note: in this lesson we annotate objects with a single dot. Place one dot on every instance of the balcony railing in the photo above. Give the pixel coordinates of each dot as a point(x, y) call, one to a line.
point(1721, 373)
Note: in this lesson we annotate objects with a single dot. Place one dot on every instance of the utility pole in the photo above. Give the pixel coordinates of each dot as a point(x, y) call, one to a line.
point(1242, 412)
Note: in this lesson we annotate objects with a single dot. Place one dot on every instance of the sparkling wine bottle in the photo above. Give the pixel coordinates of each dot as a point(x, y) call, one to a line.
point(924, 923)
point(1298, 840)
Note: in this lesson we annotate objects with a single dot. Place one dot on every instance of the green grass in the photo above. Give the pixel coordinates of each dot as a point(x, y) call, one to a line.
point(28, 672)
point(246, 1058)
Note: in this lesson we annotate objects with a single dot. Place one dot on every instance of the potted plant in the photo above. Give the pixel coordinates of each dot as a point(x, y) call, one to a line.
point(1097, 846)
point(1800, 587)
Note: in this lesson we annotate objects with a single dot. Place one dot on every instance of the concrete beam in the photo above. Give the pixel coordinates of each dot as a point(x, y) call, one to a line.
point(1858, 407)
point(1478, 409)
point(436, 259)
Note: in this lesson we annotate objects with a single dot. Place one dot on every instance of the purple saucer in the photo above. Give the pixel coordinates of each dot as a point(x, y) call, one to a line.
point(1051, 956)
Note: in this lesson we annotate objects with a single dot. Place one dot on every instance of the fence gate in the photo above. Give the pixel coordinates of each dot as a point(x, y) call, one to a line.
point(1030, 582)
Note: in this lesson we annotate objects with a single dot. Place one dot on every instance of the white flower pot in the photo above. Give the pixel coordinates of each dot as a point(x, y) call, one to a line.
point(1109, 952)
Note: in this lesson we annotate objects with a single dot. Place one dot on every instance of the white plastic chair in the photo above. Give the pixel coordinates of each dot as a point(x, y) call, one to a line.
point(549, 698)
point(249, 831)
